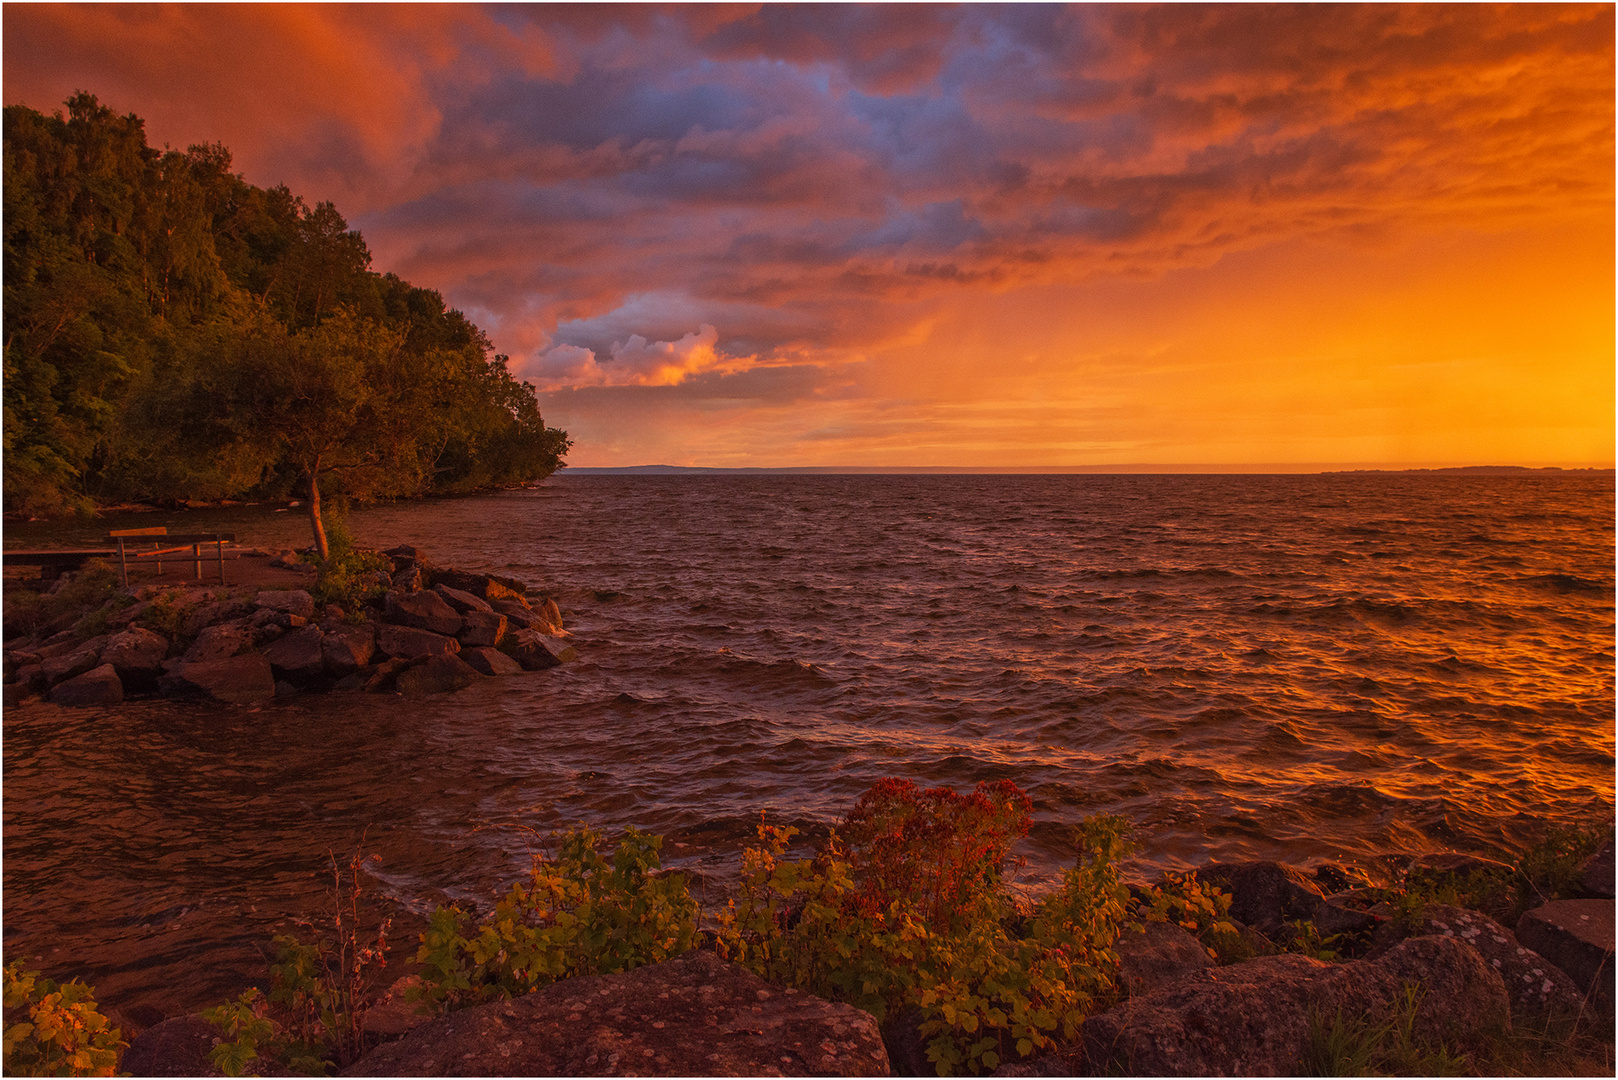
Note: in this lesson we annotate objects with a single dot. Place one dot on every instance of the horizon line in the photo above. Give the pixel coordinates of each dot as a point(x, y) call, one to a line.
point(1266, 468)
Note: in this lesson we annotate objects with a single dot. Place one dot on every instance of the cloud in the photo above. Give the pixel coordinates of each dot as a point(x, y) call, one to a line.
point(635, 362)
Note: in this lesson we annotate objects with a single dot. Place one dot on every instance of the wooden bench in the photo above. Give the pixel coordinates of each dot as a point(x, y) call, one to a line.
point(160, 536)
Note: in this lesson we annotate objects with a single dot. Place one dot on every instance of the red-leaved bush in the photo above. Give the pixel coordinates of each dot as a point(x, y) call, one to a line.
point(940, 851)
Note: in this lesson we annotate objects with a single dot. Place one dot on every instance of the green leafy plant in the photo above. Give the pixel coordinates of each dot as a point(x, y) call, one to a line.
point(243, 1028)
point(64, 1034)
point(1303, 936)
point(911, 914)
point(1550, 867)
point(1201, 909)
point(578, 914)
point(319, 992)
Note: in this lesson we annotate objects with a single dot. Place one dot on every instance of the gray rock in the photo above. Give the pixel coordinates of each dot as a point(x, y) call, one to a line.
point(694, 1016)
point(179, 1046)
point(1160, 954)
point(292, 601)
point(482, 628)
point(1576, 936)
point(1538, 989)
point(221, 641)
point(519, 617)
point(271, 619)
point(490, 661)
point(436, 675)
point(551, 614)
point(537, 652)
point(69, 665)
point(1266, 895)
point(408, 580)
point(424, 611)
point(347, 647)
point(1596, 879)
point(242, 680)
point(98, 686)
point(461, 601)
point(137, 653)
point(380, 678)
point(216, 611)
point(298, 655)
point(408, 643)
point(1253, 1018)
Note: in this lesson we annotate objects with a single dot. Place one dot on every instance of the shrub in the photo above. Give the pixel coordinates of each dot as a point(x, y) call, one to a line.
point(577, 915)
point(90, 588)
point(912, 913)
point(1360, 1046)
point(1197, 907)
point(64, 1035)
point(319, 994)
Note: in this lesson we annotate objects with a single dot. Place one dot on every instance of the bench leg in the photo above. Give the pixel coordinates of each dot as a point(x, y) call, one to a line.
point(220, 546)
point(123, 568)
point(196, 554)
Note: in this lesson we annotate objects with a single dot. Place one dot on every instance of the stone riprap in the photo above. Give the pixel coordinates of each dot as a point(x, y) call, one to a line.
point(227, 646)
point(693, 1016)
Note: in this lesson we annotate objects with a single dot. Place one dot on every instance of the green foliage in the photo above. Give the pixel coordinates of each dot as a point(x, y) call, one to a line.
point(1194, 906)
point(172, 331)
point(319, 993)
point(1303, 936)
point(64, 1035)
point(579, 914)
point(91, 588)
point(912, 913)
point(243, 1028)
point(1362, 1046)
point(1550, 867)
point(346, 578)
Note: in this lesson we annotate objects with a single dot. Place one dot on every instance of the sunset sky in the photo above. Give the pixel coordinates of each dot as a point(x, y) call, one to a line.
point(974, 236)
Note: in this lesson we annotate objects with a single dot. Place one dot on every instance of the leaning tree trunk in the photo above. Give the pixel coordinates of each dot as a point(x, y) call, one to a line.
point(321, 547)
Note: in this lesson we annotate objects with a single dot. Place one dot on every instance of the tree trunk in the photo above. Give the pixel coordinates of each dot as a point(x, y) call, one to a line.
point(321, 547)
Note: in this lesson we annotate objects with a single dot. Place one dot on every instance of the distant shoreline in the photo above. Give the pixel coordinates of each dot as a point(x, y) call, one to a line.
point(1064, 470)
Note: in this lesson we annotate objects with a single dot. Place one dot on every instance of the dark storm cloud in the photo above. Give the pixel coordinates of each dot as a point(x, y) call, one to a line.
point(662, 194)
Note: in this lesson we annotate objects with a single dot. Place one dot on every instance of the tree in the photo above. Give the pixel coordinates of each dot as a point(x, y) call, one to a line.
point(342, 401)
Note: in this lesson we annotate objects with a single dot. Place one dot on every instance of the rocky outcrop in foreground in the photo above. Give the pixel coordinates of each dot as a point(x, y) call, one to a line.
point(694, 1016)
point(431, 630)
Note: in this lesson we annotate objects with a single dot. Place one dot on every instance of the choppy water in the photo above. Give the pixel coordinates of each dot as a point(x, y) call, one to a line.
point(1292, 667)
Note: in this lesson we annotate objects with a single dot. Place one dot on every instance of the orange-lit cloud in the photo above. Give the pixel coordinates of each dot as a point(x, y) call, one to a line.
point(899, 234)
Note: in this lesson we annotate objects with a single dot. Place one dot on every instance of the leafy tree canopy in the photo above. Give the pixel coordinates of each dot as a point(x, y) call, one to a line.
point(173, 332)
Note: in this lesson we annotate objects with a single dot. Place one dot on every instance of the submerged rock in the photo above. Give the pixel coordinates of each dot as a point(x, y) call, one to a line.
point(693, 1016)
point(437, 675)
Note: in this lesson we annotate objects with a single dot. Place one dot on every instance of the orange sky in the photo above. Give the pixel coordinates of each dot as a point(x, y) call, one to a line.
point(913, 235)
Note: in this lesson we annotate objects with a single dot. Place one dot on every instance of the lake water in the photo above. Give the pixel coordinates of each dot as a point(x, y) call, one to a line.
point(1306, 668)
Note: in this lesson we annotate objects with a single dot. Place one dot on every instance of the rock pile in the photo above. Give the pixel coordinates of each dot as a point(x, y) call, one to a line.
point(432, 630)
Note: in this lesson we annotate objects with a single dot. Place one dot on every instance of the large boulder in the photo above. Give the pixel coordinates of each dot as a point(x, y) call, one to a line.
point(482, 628)
point(72, 664)
point(292, 601)
point(215, 611)
point(694, 1016)
point(436, 675)
point(241, 680)
point(1266, 895)
point(461, 601)
point(537, 652)
point(422, 610)
point(298, 655)
point(491, 661)
point(1253, 1018)
point(408, 643)
point(348, 647)
point(1160, 954)
point(1576, 936)
point(1538, 988)
point(98, 686)
point(221, 641)
point(137, 653)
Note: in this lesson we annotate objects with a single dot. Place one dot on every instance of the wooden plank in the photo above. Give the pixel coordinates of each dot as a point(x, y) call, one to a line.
point(53, 558)
point(186, 538)
point(159, 530)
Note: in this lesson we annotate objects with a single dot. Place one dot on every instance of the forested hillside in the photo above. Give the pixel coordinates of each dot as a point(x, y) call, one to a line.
point(173, 332)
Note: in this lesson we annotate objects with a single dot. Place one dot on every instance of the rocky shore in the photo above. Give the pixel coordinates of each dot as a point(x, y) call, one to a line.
point(1453, 977)
point(423, 629)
